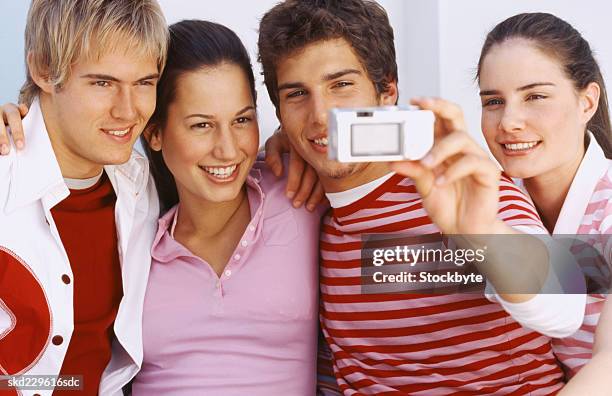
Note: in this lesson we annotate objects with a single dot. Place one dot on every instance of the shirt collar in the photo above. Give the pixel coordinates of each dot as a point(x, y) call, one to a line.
point(345, 198)
point(134, 173)
point(593, 167)
point(35, 173)
point(165, 248)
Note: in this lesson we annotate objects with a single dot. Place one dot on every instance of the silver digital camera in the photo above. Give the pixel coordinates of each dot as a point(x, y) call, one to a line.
point(374, 134)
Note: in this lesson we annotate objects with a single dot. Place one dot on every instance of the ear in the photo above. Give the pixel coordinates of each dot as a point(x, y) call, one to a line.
point(153, 136)
point(390, 95)
point(39, 75)
point(589, 101)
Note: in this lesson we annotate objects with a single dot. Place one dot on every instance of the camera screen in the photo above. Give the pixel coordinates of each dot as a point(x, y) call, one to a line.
point(376, 139)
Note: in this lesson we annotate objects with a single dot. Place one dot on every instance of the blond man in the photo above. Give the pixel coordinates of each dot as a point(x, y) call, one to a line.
point(79, 211)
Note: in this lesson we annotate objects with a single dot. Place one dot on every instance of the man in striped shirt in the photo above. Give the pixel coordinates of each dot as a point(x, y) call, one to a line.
point(317, 55)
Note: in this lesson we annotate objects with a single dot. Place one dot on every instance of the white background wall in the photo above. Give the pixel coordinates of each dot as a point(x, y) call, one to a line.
point(437, 41)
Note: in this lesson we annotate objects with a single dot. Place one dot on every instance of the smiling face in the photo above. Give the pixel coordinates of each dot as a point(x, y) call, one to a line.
point(533, 118)
point(211, 136)
point(96, 116)
point(317, 78)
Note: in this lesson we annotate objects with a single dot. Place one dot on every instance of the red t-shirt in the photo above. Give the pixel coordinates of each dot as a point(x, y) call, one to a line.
point(86, 224)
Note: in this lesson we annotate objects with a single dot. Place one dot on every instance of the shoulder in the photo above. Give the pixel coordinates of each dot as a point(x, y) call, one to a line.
point(269, 183)
point(601, 201)
point(605, 183)
point(276, 201)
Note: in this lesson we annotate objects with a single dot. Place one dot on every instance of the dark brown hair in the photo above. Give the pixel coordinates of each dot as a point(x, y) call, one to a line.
point(294, 24)
point(193, 45)
point(559, 39)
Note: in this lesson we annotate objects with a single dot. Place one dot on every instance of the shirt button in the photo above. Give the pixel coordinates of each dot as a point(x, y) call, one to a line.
point(57, 340)
point(228, 272)
point(237, 257)
point(252, 228)
point(244, 243)
point(66, 279)
point(218, 284)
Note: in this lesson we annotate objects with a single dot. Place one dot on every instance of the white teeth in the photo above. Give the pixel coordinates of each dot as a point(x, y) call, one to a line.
point(321, 142)
point(220, 172)
point(119, 133)
point(520, 146)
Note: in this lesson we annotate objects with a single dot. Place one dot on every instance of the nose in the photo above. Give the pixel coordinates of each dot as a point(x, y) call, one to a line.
point(124, 106)
point(226, 145)
point(319, 111)
point(512, 119)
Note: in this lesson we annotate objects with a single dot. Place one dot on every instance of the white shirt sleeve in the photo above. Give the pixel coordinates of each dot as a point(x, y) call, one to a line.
point(550, 312)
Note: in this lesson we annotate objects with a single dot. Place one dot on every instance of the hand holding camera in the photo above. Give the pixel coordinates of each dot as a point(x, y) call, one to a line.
point(458, 181)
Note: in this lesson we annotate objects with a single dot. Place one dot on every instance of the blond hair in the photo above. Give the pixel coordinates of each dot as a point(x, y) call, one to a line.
point(60, 32)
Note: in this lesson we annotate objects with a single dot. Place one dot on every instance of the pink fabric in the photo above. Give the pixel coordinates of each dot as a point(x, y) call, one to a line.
point(575, 351)
point(254, 330)
point(586, 211)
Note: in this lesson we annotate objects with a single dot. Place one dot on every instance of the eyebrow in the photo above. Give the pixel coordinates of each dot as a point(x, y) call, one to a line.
point(207, 116)
point(108, 77)
point(523, 88)
point(326, 77)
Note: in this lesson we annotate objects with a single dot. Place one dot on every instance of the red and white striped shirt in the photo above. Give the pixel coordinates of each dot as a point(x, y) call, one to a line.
point(422, 344)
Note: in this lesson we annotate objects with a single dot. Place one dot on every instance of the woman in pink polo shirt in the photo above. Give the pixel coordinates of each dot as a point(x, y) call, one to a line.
point(231, 305)
point(545, 119)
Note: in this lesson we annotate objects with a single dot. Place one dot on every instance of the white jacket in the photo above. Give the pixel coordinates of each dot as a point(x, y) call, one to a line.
point(35, 275)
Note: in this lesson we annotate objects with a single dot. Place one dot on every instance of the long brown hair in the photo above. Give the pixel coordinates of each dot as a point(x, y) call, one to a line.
point(557, 38)
point(193, 45)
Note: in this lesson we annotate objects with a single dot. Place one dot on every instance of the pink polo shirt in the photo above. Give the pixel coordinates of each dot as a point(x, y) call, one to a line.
point(253, 331)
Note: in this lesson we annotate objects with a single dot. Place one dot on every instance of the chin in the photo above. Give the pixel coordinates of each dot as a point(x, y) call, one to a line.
point(338, 170)
point(521, 172)
point(221, 197)
point(117, 160)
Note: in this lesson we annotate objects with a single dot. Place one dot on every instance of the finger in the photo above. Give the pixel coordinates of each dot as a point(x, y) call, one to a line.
point(316, 197)
point(295, 173)
point(273, 155)
point(456, 143)
point(23, 109)
point(5, 146)
point(13, 116)
point(448, 113)
point(483, 170)
point(422, 176)
point(308, 182)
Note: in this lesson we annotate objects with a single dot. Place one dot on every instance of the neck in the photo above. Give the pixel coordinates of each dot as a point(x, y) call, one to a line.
point(549, 190)
point(363, 173)
point(205, 218)
point(71, 164)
